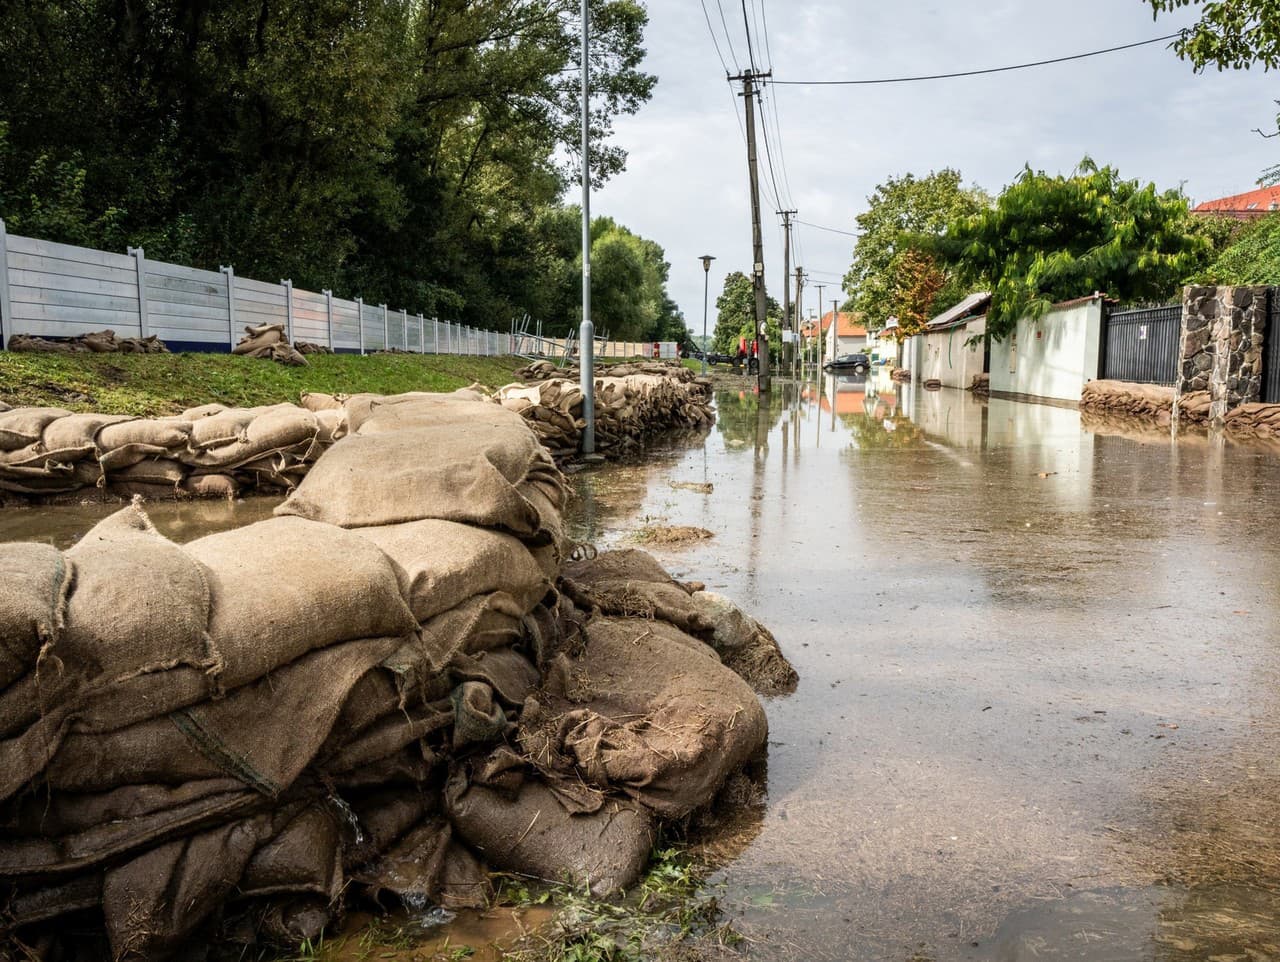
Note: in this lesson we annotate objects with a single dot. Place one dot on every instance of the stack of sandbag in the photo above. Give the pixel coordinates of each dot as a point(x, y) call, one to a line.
point(627, 410)
point(96, 342)
point(1254, 420)
point(369, 698)
point(310, 347)
point(933, 384)
point(541, 371)
point(1148, 401)
point(901, 375)
point(981, 385)
point(210, 451)
point(268, 341)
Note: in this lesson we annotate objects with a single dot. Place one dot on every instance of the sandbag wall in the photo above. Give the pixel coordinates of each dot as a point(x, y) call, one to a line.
point(1145, 401)
point(210, 451)
point(374, 697)
point(628, 408)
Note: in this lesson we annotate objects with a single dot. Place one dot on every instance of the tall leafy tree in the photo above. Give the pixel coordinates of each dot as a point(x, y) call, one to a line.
point(1229, 34)
point(735, 315)
point(887, 253)
point(1052, 238)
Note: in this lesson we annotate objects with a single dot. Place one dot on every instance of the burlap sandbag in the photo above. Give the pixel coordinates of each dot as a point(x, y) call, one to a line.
point(211, 486)
point(429, 867)
point(449, 562)
point(140, 604)
point(631, 583)
point(515, 823)
point(35, 580)
point(469, 473)
point(22, 426)
point(75, 436)
point(316, 401)
point(270, 429)
point(166, 434)
point(287, 586)
point(647, 710)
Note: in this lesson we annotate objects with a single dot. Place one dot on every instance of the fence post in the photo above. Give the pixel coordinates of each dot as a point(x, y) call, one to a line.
point(404, 322)
point(385, 343)
point(140, 265)
point(230, 271)
point(288, 309)
point(360, 319)
point(328, 318)
point(435, 335)
point(6, 317)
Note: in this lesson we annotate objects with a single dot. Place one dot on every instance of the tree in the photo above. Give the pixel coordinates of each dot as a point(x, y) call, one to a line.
point(917, 284)
point(900, 209)
point(1231, 34)
point(1052, 238)
point(1253, 257)
point(736, 314)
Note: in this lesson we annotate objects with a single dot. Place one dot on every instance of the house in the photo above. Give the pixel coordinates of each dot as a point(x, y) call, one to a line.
point(952, 348)
point(1247, 206)
point(850, 335)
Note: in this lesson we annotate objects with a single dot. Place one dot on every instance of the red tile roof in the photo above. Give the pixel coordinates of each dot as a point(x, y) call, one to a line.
point(851, 324)
point(1253, 203)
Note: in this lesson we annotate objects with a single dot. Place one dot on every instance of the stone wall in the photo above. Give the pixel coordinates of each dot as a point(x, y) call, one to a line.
point(1223, 332)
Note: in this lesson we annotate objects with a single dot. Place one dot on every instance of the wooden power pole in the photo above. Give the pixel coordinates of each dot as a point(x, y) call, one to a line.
point(787, 346)
point(748, 79)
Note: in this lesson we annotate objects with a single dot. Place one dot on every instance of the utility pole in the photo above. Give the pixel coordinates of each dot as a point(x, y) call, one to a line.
point(819, 348)
point(748, 79)
point(788, 349)
point(587, 330)
point(799, 357)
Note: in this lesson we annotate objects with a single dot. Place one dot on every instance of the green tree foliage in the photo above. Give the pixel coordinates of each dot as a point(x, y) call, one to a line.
point(1230, 34)
point(1053, 238)
point(1253, 258)
point(405, 150)
point(903, 208)
point(736, 312)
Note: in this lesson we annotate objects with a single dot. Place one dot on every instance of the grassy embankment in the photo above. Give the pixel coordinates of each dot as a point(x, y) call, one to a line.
point(155, 384)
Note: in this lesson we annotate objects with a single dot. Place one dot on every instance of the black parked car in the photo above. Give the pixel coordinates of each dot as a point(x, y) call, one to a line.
point(857, 363)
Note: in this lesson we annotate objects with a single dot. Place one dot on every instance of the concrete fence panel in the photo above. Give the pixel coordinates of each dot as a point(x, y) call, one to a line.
point(63, 291)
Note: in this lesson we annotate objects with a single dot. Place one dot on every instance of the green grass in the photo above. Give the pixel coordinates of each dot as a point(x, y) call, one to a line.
point(155, 384)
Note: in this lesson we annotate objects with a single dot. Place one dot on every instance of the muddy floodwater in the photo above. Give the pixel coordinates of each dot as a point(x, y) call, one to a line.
point(1039, 704)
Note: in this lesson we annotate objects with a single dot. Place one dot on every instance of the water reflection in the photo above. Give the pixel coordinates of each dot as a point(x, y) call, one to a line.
point(1037, 658)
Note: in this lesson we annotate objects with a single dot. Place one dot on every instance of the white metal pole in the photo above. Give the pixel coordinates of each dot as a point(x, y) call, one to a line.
point(328, 319)
point(586, 333)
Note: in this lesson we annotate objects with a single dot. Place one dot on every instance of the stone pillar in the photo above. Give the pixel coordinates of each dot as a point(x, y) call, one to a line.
point(1223, 330)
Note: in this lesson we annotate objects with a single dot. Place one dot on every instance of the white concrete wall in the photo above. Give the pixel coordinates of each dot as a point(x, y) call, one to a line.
point(1054, 357)
point(947, 358)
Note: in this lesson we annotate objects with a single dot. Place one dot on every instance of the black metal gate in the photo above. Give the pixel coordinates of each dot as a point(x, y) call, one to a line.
point(1142, 344)
point(1271, 350)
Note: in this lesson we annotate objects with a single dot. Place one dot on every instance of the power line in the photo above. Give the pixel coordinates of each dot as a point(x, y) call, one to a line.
point(751, 56)
point(833, 230)
point(764, 31)
point(976, 73)
point(733, 54)
point(714, 41)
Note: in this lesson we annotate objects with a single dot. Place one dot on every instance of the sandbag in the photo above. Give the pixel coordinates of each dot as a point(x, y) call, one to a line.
point(470, 472)
point(449, 562)
point(428, 866)
point(631, 583)
point(287, 586)
point(521, 827)
point(166, 434)
point(211, 485)
point(646, 710)
point(35, 580)
point(22, 426)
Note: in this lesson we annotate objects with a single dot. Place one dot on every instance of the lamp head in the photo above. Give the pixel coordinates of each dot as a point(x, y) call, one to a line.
point(706, 262)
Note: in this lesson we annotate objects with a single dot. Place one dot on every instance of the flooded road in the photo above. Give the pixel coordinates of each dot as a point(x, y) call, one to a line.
point(1039, 707)
point(1039, 704)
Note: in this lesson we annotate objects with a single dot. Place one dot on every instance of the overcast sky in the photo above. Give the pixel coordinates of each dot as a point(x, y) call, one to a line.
point(1144, 111)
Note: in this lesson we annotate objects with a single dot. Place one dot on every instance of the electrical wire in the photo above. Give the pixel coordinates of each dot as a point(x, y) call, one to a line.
point(833, 230)
point(977, 73)
point(714, 41)
point(751, 56)
point(733, 54)
point(764, 32)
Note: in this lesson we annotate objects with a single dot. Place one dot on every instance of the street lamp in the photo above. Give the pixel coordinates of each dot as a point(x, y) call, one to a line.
point(706, 285)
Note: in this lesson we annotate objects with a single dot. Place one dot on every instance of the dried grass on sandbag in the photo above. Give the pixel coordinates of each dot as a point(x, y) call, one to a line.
point(516, 823)
point(476, 470)
point(449, 562)
point(646, 710)
point(746, 646)
point(631, 583)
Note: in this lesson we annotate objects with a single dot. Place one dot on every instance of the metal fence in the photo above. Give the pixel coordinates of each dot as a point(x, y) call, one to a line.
point(59, 290)
point(1271, 350)
point(1142, 344)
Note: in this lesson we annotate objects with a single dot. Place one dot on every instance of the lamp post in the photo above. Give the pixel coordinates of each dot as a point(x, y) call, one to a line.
point(706, 287)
